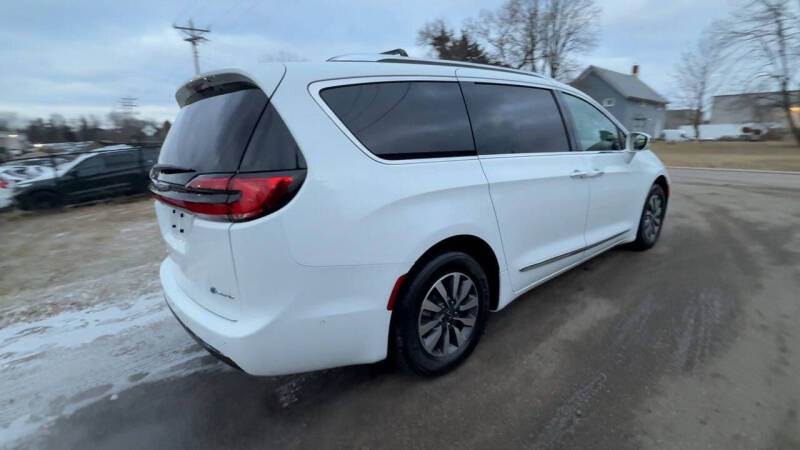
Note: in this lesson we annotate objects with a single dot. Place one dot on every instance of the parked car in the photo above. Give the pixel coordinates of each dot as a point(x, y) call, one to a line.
point(326, 214)
point(12, 173)
point(16, 173)
point(674, 135)
point(88, 176)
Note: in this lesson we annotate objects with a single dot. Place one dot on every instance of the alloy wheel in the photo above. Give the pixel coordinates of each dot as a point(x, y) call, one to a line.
point(653, 216)
point(448, 315)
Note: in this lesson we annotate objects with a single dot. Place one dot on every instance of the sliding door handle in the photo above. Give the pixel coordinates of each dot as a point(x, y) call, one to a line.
point(577, 174)
point(594, 174)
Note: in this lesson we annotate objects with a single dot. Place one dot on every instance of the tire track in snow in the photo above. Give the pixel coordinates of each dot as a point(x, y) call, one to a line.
point(568, 415)
point(702, 320)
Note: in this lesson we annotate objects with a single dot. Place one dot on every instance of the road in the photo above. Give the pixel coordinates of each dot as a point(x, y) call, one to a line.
point(693, 344)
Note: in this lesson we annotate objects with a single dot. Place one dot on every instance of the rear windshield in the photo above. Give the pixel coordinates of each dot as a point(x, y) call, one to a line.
point(404, 120)
point(210, 135)
point(272, 147)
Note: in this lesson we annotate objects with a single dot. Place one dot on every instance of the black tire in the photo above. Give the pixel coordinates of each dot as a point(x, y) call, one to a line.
point(410, 352)
point(42, 200)
point(647, 236)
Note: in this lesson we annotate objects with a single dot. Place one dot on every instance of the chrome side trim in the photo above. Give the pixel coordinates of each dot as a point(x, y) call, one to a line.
point(573, 253)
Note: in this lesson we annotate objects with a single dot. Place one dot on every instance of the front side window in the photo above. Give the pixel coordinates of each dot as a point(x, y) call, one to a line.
point(404, 120)
point(594, 130)
point(514, 119)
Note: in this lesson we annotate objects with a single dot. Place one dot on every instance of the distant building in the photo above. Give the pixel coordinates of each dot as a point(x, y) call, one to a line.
point(676, 118)
point(756, 107)
point(12, 143)
point(635, 104)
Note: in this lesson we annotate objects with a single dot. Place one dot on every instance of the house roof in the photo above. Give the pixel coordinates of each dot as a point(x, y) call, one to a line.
point(630, 86)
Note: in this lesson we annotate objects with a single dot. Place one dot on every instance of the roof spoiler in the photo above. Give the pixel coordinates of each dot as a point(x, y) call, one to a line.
point(212, 84)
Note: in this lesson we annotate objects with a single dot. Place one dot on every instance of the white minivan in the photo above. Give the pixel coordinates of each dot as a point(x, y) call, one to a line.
point(327, 214)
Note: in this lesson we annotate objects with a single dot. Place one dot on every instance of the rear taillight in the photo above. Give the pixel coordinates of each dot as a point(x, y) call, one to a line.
point(234, 198)
point(259, 196)
point(3, 183)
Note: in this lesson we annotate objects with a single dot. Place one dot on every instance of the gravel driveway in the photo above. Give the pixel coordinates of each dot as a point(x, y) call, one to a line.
point(693, 344)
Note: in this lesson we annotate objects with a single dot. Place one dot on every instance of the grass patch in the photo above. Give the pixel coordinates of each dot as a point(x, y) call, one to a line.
point(730, 155)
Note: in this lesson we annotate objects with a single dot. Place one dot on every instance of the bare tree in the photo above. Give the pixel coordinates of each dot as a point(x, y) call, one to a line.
point(696, 78)
point(569, 28)
point(503, 34)
point(538, 35)
point(764, 37)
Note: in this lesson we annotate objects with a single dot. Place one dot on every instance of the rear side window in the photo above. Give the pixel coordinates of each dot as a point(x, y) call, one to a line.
point(404, 120)
point(272, 146)
point(122, 160)
point(210, 135)
point(514, 119)
point(149, 155)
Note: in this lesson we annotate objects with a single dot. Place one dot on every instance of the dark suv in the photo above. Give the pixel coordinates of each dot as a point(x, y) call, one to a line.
point(90, 176)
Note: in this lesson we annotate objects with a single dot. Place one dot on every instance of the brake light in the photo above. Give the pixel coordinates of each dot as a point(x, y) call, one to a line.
point(259, 196)
point(212, 183)
point(3, 183)
point(233, 198)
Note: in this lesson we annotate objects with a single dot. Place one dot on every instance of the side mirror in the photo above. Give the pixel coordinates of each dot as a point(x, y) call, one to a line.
point(640, 141)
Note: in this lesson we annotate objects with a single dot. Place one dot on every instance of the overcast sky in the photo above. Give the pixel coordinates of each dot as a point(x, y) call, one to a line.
point(80, 57)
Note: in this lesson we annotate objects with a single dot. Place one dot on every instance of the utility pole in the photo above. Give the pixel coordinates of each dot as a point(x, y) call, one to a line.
point(193, 36)
point(127, 105)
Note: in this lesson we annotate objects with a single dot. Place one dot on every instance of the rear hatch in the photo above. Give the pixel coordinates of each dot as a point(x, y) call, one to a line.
point(217, 167)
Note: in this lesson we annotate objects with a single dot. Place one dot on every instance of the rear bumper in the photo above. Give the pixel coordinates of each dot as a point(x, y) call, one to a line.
point(214, 352)
point(341, 322)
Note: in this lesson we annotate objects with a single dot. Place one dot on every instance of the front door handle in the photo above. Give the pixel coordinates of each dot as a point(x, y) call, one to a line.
point(577, 174)
point(594, 174)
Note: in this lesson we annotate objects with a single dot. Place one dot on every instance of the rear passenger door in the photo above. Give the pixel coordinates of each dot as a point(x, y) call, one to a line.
point(123, 173)
point(539, 197)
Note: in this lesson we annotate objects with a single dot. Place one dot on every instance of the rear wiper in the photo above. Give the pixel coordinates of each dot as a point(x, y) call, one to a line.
point(169, 169)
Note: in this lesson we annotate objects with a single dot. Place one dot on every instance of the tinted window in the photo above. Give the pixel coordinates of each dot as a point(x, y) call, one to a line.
point(122, 160)
point(211, 134)
point(595, 131)
point(150, 155)
point(272, 146)
point(403, 120)
point(90, 167)
point(514, 119)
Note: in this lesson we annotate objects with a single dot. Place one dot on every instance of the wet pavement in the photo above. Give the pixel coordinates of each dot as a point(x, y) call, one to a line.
point(693, 344)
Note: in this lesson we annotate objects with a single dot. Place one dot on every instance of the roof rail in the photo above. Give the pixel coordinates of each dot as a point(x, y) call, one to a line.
point(394, 56)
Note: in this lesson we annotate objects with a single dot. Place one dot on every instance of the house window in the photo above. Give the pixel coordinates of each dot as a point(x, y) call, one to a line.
point(608, 102)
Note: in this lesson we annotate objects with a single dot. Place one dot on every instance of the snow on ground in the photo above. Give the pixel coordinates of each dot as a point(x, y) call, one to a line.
point(54, 365)
point(82, 316)
point(5, 198)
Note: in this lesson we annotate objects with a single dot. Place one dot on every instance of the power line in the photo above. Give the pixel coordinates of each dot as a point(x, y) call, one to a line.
point(194, 36)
